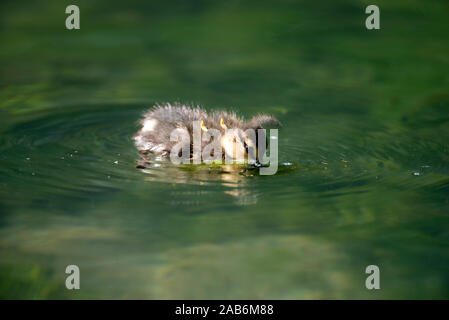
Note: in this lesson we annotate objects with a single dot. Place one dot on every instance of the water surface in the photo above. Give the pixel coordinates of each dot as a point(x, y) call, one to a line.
point(366, 129)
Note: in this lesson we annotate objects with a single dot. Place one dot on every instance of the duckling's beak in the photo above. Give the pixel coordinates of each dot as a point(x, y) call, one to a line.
point(203, 127)
point(222, 124)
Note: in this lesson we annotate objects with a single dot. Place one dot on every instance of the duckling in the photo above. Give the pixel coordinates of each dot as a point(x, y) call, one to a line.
point(160, 121)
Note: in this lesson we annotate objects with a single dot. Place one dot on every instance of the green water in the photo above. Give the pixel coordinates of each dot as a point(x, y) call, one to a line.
point(366, 129)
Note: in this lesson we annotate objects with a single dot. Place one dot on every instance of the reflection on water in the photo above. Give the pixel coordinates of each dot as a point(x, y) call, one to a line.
point(364, 151)
point(231, 177)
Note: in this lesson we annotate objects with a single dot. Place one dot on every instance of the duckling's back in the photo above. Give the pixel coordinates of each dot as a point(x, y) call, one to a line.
point(159, 123)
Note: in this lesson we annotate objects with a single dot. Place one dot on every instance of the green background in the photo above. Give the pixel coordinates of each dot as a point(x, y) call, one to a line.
point(364, 150)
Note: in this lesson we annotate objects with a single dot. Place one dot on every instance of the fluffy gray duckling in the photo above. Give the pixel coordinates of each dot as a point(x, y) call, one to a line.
point(159, 122)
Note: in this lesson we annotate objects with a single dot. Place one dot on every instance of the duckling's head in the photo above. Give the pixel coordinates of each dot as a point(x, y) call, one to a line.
point(239, 140)
point(236, 144)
